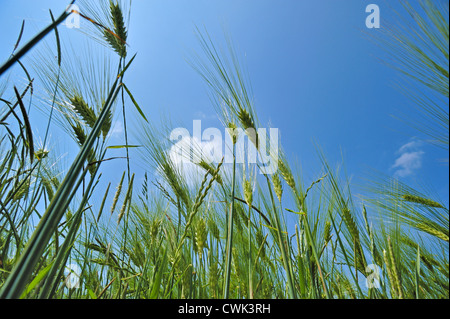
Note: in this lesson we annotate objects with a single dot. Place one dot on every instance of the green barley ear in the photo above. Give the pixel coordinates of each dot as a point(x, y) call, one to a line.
point(127, 201)
point(84, 110)
point(117, 40)
point(248, 192)
point(390, 274)
point(81, 137)
point(201, 236)
point(248, 125)
point(22, 191)
point(327, 231)
point(116, 196)
point(432, 231)
point(421, 200)
point(106, 127)
point(79, 133)
point(232, 126)
point(278, 187)
point(92, 162)
point(209, 168)
point(394, 269)
point(286, 173)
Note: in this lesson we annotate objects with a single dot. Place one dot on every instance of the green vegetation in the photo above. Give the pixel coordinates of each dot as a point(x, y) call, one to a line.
point(225, 236)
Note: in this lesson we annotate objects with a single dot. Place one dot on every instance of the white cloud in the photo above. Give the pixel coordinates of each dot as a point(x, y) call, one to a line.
point(179, 153)
point(117, 129)
point(409, 159)
point(411, 146)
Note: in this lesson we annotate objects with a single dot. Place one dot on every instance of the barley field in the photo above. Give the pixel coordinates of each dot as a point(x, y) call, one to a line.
point(72, 226)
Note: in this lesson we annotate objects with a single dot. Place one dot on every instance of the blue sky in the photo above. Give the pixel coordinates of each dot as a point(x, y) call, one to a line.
point(315, 75)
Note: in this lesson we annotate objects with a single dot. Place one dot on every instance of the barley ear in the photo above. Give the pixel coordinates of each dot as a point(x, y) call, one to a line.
point(117, 39)
point(116, 196)
point(277, 186)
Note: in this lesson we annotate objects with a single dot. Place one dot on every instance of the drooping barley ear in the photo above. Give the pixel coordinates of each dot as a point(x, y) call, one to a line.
point(92, 165)
point(278, 187)
point(351, 224)
point(79, 133)
point(327, 231)
point(117, 39)
point(22, 191)
point(248, 125)
point(201, 236)
point(81, 137)
point(432, 231)
point(421, 200)
point(287, 175)
point(106, 127)
point(116, 196)
point(245, 119)
point(248, 192)
point(395, 270)
point(84, 110)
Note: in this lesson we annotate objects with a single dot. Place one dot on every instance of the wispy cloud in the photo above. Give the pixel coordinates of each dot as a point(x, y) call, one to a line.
point(409, 159)
point(203, 116)
point(186, 164)
point(117, 129)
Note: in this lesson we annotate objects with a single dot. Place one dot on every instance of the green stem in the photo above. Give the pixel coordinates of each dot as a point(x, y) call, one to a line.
point(250, 275)
point(226, 288)
point(281, 242)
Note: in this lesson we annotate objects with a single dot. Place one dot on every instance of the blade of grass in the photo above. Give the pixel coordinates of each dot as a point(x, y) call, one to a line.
point(27, 125)
point(417, 276)
point(30, 44)
point(17, 280)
